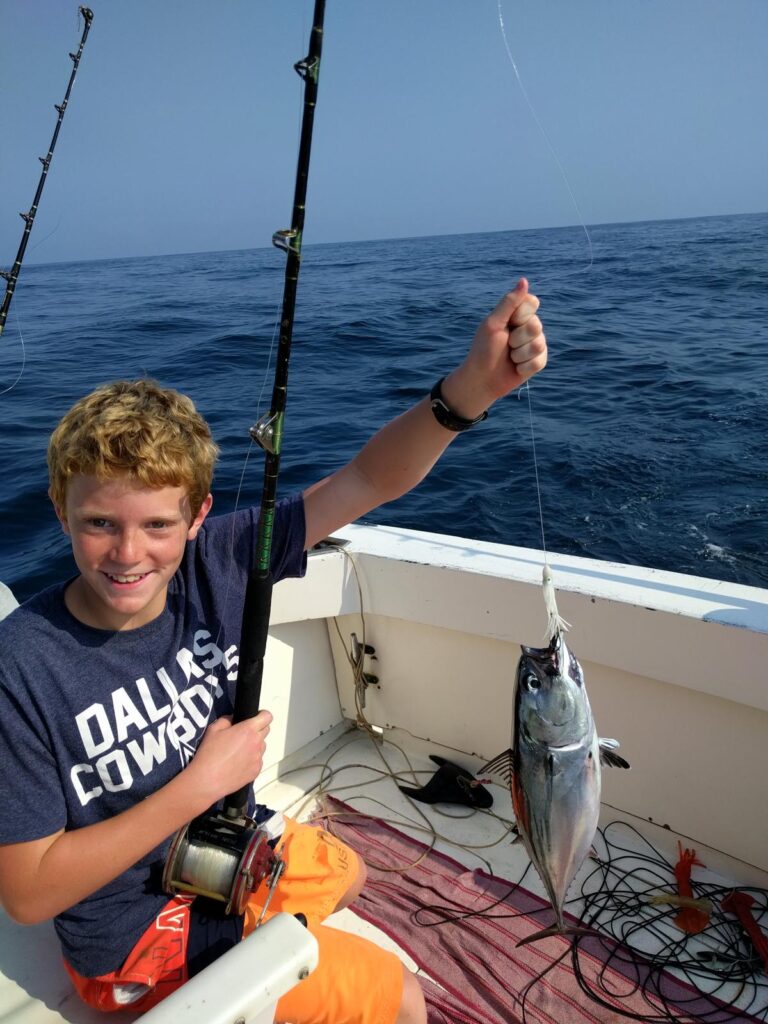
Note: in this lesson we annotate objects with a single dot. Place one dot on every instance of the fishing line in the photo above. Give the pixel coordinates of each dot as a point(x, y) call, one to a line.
point(276, 316)
point(231, 558)
point(23, 357)
point(617, 965)
point(449, 918)
point(275, 321)
point(536, 467)
point(548, 142)
point(275, 328)
point(639, 936)
point(45, 238)
point(394, 818)
point(555, 622)
point(318, 793)
point(235, 510)
point(230, 566)
point(522, 996)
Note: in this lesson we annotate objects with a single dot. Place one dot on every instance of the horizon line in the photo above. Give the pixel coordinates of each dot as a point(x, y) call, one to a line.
point(400, 238)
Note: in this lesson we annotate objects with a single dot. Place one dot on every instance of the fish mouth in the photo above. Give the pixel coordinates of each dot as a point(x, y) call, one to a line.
point(569, 745)
point(558, 724)
point(552, 723)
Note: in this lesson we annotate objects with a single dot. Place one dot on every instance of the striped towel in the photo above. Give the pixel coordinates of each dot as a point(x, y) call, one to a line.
point(480, 977)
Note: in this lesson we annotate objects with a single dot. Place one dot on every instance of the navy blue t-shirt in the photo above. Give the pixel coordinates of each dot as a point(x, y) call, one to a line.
point(92, 721)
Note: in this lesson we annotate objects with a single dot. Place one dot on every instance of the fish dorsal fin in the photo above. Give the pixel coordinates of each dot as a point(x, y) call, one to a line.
point(500, 765)
point(608, 756)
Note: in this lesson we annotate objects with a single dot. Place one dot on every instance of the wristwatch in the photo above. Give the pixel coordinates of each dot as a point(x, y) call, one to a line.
point(445, 416)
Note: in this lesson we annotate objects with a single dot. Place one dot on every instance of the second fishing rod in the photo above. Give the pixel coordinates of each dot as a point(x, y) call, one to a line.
point(225, 856)
point(12, 275)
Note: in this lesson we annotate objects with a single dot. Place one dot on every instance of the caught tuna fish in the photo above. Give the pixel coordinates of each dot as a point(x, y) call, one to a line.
point(553, 768)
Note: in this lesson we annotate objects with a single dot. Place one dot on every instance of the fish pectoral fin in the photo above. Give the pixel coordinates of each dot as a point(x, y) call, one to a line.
point(608, 756)
point(500, 765)
point(608, 759)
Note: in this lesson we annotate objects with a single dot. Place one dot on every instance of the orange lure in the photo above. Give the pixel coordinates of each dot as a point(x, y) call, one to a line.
point(690, 919)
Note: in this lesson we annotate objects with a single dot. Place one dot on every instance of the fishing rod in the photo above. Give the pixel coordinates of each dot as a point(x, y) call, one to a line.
point(12, 275)
point(268, 431)
point(224, 855)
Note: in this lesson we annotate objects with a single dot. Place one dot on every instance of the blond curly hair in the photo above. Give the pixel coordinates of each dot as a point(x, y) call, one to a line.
point(133, 428)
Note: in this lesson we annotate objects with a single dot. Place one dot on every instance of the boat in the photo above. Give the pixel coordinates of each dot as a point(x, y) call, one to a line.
point(401, 645)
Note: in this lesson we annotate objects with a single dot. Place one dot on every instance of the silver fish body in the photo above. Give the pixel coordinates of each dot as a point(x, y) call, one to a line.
point(553, 766)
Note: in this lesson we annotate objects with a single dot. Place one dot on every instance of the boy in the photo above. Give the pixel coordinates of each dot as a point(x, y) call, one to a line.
point(115, 687)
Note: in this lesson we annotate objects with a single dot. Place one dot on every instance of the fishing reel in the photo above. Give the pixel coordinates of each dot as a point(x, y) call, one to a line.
point(224, 859)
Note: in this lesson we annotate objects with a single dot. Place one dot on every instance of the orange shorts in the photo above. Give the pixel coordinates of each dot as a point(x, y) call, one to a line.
point(355, 980)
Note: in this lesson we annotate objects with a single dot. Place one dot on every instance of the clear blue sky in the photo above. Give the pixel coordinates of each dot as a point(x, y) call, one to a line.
point(182, 130)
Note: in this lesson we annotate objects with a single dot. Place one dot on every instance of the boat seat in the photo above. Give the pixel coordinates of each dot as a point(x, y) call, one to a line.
point(35, 988)
point(7, 601)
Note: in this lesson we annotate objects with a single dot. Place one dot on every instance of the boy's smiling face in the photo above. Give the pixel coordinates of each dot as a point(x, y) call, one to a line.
point(127, 541)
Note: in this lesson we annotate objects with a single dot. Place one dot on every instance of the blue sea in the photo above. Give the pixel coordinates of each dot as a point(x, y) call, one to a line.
point(649, 422)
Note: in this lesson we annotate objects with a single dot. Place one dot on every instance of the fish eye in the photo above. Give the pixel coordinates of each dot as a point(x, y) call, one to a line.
point(532, 682)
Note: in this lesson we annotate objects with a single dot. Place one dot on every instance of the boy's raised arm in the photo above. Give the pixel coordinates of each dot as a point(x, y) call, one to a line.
point(509, 348)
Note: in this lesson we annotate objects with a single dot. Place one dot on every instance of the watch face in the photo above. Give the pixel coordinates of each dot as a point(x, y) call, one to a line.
point(446, 418)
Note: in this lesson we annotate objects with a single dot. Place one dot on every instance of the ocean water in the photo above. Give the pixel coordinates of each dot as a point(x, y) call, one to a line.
point(649, 422)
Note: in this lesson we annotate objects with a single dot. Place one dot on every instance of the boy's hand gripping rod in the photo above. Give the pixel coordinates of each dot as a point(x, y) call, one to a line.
point(224, 855)
point(12, 275)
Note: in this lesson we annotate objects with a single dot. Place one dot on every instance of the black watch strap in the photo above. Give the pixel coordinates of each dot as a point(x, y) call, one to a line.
point(445, 416)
